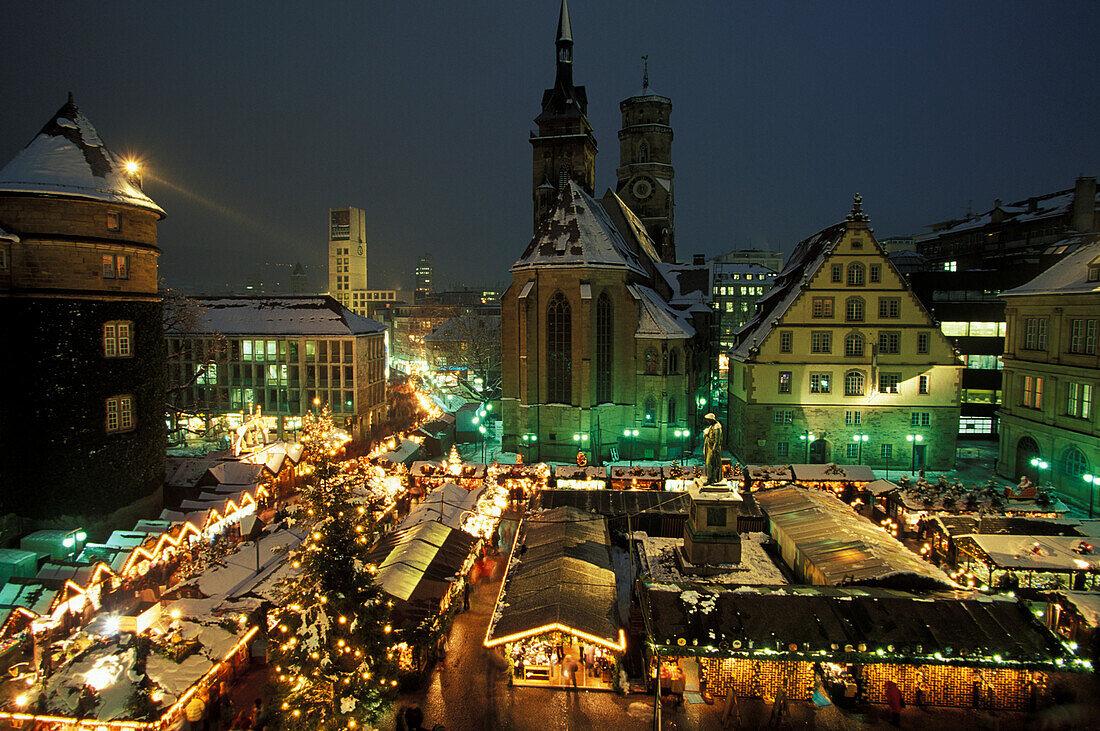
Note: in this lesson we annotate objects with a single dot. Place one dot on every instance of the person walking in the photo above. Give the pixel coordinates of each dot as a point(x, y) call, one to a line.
point(895, 701)
point(572, 667)
point(466, 597)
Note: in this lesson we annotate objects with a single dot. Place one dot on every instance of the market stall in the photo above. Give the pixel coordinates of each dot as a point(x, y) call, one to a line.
point(939, 649)
point(625, 477)
point(1029, 562)
point(656, 513)
point(522, 481)
point(573, 477)
point(556, 617)
point(678, 477)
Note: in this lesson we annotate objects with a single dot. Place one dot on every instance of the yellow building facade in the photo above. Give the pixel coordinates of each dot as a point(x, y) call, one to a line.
point(843, 364)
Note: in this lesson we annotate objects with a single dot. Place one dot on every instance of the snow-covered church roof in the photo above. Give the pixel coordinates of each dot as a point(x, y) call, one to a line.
point(656, 319)
point(67, 158)
point(578, 233)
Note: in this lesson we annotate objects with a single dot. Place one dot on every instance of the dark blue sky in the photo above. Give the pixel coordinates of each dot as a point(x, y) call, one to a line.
point(259, 117)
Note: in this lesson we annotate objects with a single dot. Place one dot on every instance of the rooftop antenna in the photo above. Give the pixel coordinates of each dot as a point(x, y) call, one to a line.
point(645, 72)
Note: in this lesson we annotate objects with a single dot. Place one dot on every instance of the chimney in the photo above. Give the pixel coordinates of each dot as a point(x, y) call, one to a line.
point(1084, 205)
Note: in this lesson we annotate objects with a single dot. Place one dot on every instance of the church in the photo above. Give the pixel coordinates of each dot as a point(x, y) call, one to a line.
point(605, 337)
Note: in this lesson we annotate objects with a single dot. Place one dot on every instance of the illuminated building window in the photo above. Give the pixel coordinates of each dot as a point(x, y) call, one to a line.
point(853, 383)
point(120, 413)
point(821, 382)
point(784, 382)
point(114, 223)
point(117, 339)
point(1033, 392)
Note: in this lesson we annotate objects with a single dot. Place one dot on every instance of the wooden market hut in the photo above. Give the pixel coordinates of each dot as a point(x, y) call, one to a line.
point(560, 586)
point(943, 529)
point(656, 513)
point(1038, 562)
point(825, 542)
point(967, 650)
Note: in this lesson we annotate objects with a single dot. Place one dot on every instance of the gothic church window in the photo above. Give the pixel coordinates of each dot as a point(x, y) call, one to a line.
point(604, 363)
point(559, 350)
point(650, 410)
point(643, 152)
point(651, 361)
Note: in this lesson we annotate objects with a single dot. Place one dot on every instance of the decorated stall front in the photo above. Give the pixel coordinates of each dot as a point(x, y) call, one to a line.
point(574, 477)
point(556, 618)
point(656, 513)
point(678, 476)
point(637, 477)
point(949, 649)
point(1028, 562)
point(522, 481)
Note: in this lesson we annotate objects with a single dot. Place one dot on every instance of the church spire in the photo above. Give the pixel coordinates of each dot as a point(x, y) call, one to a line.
point(564, 44)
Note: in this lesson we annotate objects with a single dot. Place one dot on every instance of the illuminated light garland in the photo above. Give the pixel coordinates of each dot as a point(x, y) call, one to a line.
point(557, 626)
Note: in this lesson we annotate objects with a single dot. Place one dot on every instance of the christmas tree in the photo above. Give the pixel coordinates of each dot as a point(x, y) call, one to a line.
point(334, 653)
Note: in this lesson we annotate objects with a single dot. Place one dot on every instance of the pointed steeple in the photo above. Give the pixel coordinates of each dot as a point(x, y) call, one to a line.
point(565, 32)
point(564, 44)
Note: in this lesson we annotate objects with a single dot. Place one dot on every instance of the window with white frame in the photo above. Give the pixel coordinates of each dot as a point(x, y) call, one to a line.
point(1079, 401)
point(1090, 337)
point(1035, 333)
point(853, 345)
point(920, 418)
point(886, 451)
point(854, 309)
point(117, 339)
point(888, 382)
point(120, 413)
point(889, 342)
point(889, 307)
point(852, 451)
point(783, 416)
point(821, 382)
point(853, 418)
point(923, 384)
point(1033, 392)
point(1077, 336)
point(821, 341)
point(853, 383)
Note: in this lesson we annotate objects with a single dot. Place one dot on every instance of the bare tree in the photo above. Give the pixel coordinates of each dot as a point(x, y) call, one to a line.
point(192, 356)
point(468, 345)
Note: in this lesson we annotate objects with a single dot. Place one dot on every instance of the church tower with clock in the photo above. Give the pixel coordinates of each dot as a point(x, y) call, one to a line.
point(645, 165)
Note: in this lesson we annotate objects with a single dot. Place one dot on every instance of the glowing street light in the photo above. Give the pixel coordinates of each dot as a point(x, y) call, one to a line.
point(628, 434)
point(859, 439)
point(1093, 482)
point(807, 437)
point(915, 439)
point(684, 434)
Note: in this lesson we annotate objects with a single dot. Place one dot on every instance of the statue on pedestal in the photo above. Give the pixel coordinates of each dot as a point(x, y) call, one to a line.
point(712, 450)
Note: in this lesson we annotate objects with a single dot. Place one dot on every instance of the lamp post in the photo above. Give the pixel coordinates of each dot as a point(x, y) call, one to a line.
point(915, 439)
point(483, 431)
point(859, 439)
point(1093, 482)
point(684, 434)
point(627, 434)
point(807, 437)
point(529, 440)
point(1041, 465)
point(581, 438)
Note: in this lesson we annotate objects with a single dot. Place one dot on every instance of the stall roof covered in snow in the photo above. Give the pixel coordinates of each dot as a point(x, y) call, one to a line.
point(659, 563)
point(944, 628)
point(956, 525)
point(824, 539)
point(1068, 275)
point(445, 505)
point(1085, 603)
point(617, 503)
point(284, 315)
point(67, 158)
point(560, 573)
point(578, 233)
point(833, 473)
point(1033, 553)
point(417, 565)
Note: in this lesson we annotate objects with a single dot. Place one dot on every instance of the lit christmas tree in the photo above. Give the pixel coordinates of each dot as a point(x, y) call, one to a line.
point(335, 662)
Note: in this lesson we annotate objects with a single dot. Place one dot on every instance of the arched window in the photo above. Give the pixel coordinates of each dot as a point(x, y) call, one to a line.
point(674, 361)
point(853, 309)
point(853, 345)
point(1074, 463)
point(853, 383)
point(650, 411)
point(651, 361)
point(855, 275)
point(559, 350)
point(672, 411)
point(604, 363)
point(643, 152)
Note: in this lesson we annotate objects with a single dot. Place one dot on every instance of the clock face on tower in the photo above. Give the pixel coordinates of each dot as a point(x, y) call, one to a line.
point(359, 251)
point(642, 188)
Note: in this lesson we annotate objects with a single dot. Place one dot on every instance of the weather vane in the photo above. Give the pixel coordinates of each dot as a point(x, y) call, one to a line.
point(645, 72)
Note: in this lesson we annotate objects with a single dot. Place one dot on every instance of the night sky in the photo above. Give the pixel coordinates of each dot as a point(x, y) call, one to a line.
point(254, 119)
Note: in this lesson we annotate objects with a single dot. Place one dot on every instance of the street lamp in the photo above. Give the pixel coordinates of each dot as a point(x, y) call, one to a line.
point(915, 439)
point(627, 434)
point(529, 440)
point(807, 437)
point(859, 439)
point(581, 438)
point(483, 437)
point(1040, 464)
point(684, 434)
point(1093, 482)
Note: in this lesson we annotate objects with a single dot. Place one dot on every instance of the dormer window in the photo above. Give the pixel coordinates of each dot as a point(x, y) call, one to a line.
point(1094, 270)
point(114, 223)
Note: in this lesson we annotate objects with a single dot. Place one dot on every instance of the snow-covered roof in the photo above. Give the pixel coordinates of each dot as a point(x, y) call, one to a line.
point(67, 158)
point(803, 263)
point(1087, 605)
point(5, 236)
point(1036, 553)
point(1068, 275)
point(656, 319)
point(1045, 206)
point(445, 504)
point(756, 568)
point(578, 233)
point(286, 315)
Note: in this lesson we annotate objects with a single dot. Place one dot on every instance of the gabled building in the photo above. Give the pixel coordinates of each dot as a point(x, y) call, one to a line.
point(839, 348)
point(83, 417)
point(1051, 373)
point(603, 345)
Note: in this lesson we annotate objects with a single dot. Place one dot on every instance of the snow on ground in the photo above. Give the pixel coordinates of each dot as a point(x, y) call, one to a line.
point(756, 567)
